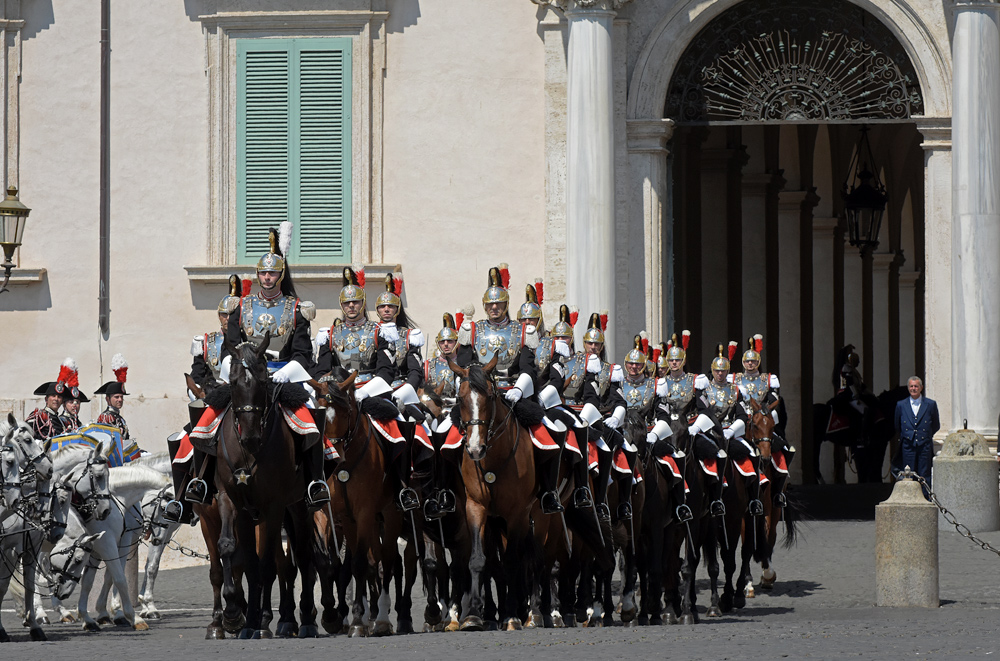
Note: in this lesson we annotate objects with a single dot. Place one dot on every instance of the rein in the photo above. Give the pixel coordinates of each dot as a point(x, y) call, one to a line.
point(492, 432)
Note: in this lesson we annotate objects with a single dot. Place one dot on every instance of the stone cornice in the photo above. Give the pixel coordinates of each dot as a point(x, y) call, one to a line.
point(648, 135)
point(570, 5)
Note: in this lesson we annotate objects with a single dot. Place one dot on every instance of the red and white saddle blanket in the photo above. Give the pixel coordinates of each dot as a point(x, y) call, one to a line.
point(779, 461)
point(710, 466)
point(541, 438)
point(391, 432)
point(299, 421)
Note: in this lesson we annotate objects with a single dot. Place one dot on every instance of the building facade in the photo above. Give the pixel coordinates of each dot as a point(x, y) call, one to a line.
point(678, 162)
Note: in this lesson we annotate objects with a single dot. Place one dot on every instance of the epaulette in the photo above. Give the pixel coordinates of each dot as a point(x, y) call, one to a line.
point(308, 310)
point(465, 334)
point(197, 345)
point(530, 337)
point(230, 304)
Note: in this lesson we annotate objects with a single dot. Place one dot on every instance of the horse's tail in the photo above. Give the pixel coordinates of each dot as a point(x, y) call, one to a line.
point(793, 512)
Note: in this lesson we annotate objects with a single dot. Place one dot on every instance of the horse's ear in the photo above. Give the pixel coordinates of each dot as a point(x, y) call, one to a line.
point(460, 371)
point(11, 420)
point(348, 383)
point(262, 349)
point(774, 405)
point(48, 445)
point(492, 364)
point(439, 391)
point(228, 346)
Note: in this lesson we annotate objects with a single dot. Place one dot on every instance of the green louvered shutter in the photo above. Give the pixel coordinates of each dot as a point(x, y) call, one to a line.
point(294, 146)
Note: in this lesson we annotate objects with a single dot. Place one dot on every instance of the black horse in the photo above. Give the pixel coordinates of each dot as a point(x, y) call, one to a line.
point(866, 434)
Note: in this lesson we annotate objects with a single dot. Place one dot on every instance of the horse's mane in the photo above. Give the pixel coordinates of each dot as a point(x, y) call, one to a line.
point(158, 461)
point(478, 379)
point(70, 456)
point(136, 475)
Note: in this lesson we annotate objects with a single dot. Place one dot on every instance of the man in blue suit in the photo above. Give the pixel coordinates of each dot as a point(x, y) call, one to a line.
point(916, 422)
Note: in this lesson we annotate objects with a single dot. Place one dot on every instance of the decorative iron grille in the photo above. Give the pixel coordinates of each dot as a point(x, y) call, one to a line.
point(764, 60)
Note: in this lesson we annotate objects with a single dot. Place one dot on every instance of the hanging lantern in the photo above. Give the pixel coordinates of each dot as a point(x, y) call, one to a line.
point(864, 202)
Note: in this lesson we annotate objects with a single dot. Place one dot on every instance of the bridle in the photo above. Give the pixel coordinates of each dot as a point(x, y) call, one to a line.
point(154, 523)
point(243, 474)
point(492, 430)
point(63, 572)
point(87, 505)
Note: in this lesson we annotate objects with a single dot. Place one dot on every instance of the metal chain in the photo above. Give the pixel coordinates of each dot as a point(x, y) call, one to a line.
point(962, 529)
point(183, 550)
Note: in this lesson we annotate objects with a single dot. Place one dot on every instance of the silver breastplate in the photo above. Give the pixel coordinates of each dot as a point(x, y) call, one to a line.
point(259, 316)
point(722, 401)
point(437, 374)
point(576, 372)
point(544, 354)
point(639, 395)
point(504, 341)
point(355, 348)
point(680, 391)
point(213, 353)
point(756, 387)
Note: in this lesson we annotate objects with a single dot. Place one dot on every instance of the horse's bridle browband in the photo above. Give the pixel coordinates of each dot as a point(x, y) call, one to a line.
point(88, 506)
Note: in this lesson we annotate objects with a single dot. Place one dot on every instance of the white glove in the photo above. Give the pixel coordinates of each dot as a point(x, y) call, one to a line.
point(561, 347)
point(728, 433)
point(693, 430)
point(593, 364)
point(616, 418)
point(651, 438)
point(736, 429)
point(389, 332)
point(660, 430)
point(322, 337)
point(514, 395)
point(377, 386)
point(279, 377)
point(774, 415)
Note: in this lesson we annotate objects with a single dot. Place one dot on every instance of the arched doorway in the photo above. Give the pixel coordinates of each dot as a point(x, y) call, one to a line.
point(767, 100)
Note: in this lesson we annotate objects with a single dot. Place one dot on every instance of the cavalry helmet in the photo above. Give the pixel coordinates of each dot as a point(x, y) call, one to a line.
point(496, 292)
point(354, 286)
point(596, 327)
point(448, 331)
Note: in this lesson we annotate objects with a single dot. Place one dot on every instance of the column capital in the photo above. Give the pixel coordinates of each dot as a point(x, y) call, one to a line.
point(976, 5)
point(579, 5)
point(825, 226)
point(936, 132)
point(648, 135)
point(908, 279)
point(881, 261)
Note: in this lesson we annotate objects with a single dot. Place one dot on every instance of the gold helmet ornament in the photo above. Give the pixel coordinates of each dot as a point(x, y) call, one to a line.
point(532, 306)
point(230, 302)
point(723, 359)
point(496, 291)
point(595, 329)
point(637, 355)
point(661, 356)
point(564, 327)
point(393, 288)
point(354, 285)
point(678, 350)
point(756, 345)
point(650, 357)
point(449, 331)
point(280, 241)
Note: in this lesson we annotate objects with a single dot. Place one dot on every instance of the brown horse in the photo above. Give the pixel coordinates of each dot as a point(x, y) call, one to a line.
point(258, 480)
point(498, 470)
point(762, 426)
point(363, 505)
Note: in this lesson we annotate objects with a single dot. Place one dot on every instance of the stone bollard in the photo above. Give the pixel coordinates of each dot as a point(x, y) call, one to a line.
point(965, 482)
point(906, 548)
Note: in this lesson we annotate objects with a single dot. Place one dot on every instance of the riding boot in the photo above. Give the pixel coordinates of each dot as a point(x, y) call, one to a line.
point(549, 476)
point(601, 482)
point(624, 497)
point(407, 498)
point(179, 511)
point(755, 491)
point(582, 498)
point(317, 490)
point(423, 475)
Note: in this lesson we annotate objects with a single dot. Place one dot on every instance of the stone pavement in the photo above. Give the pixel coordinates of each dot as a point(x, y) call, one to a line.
point(822, 607)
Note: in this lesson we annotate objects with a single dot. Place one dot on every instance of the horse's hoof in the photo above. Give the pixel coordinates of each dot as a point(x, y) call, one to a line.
point(609, 620)
point(628, 615)
point(535, 621)
point(38, 635)
point(739, 601)
point(105, 619)
point(687, 619)
point(643, 620)
point(404, 627)
point(333, 627)
point(285, 630)
point(512, 624)
point(382, 629)
point(472, 623)
point(246, 633)
point(235, 625)
point(492, 625)
point(595, 621)
point(748, 592)
point(42, 620)
point(429, 628)
point(556, 620)
point(569, 621)
point(453, 625)
point(91, 626)
point(767, 579)
point(713, 611)
point(308, 631)
point(726, 603)
point(262, 634)
point(122, 622)
point(67, 619)
point(357, 631)
point(4, 636)
point(215, 633)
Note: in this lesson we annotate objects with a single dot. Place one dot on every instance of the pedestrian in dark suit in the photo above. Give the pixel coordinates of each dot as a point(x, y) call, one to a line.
point(916, 422)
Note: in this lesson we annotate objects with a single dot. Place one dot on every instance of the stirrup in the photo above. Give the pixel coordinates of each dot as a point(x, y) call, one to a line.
point(446, 500)
point(780, 500)
point(624, 511)
point(550, 503)
point(756, 507)
point(717, 508)
point(317, 494)
point(408, 499)
point(684, 513)
point(604, 512)
point(582, 498)
point(196, 491)
point(173, 511)
point(432, 511)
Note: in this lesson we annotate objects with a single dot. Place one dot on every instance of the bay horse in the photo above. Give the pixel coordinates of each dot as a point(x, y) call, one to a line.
point(498, 470)
point(762, 427)
point(259, 478)
point(363, 506)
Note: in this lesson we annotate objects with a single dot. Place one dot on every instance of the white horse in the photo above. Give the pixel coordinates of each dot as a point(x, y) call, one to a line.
point(129, 484)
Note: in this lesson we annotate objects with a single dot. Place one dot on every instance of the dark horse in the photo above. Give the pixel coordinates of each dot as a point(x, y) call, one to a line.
point(259, 478)
point(866, 435)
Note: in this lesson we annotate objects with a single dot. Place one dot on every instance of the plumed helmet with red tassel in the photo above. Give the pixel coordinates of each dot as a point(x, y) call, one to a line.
point(449, 331)
point(539, 290)
point(354, 286)
point(68, 383)
point(389, 296)
point(678, 350)
point(231, 301)
point(636, 355)
point(661, 361)
point(531, 308)
point(755, 345)
point(495, 290)
point(564, 327)
point(650, 359)
point(721, 361)
point(595, 330)
point(117, 387)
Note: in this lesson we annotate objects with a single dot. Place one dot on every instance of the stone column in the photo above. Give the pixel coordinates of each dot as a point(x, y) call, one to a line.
point(938, 265)
point(881, 270)
point(824, 233)
point(649, 197)
point(976, 219)
point(907, 324)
